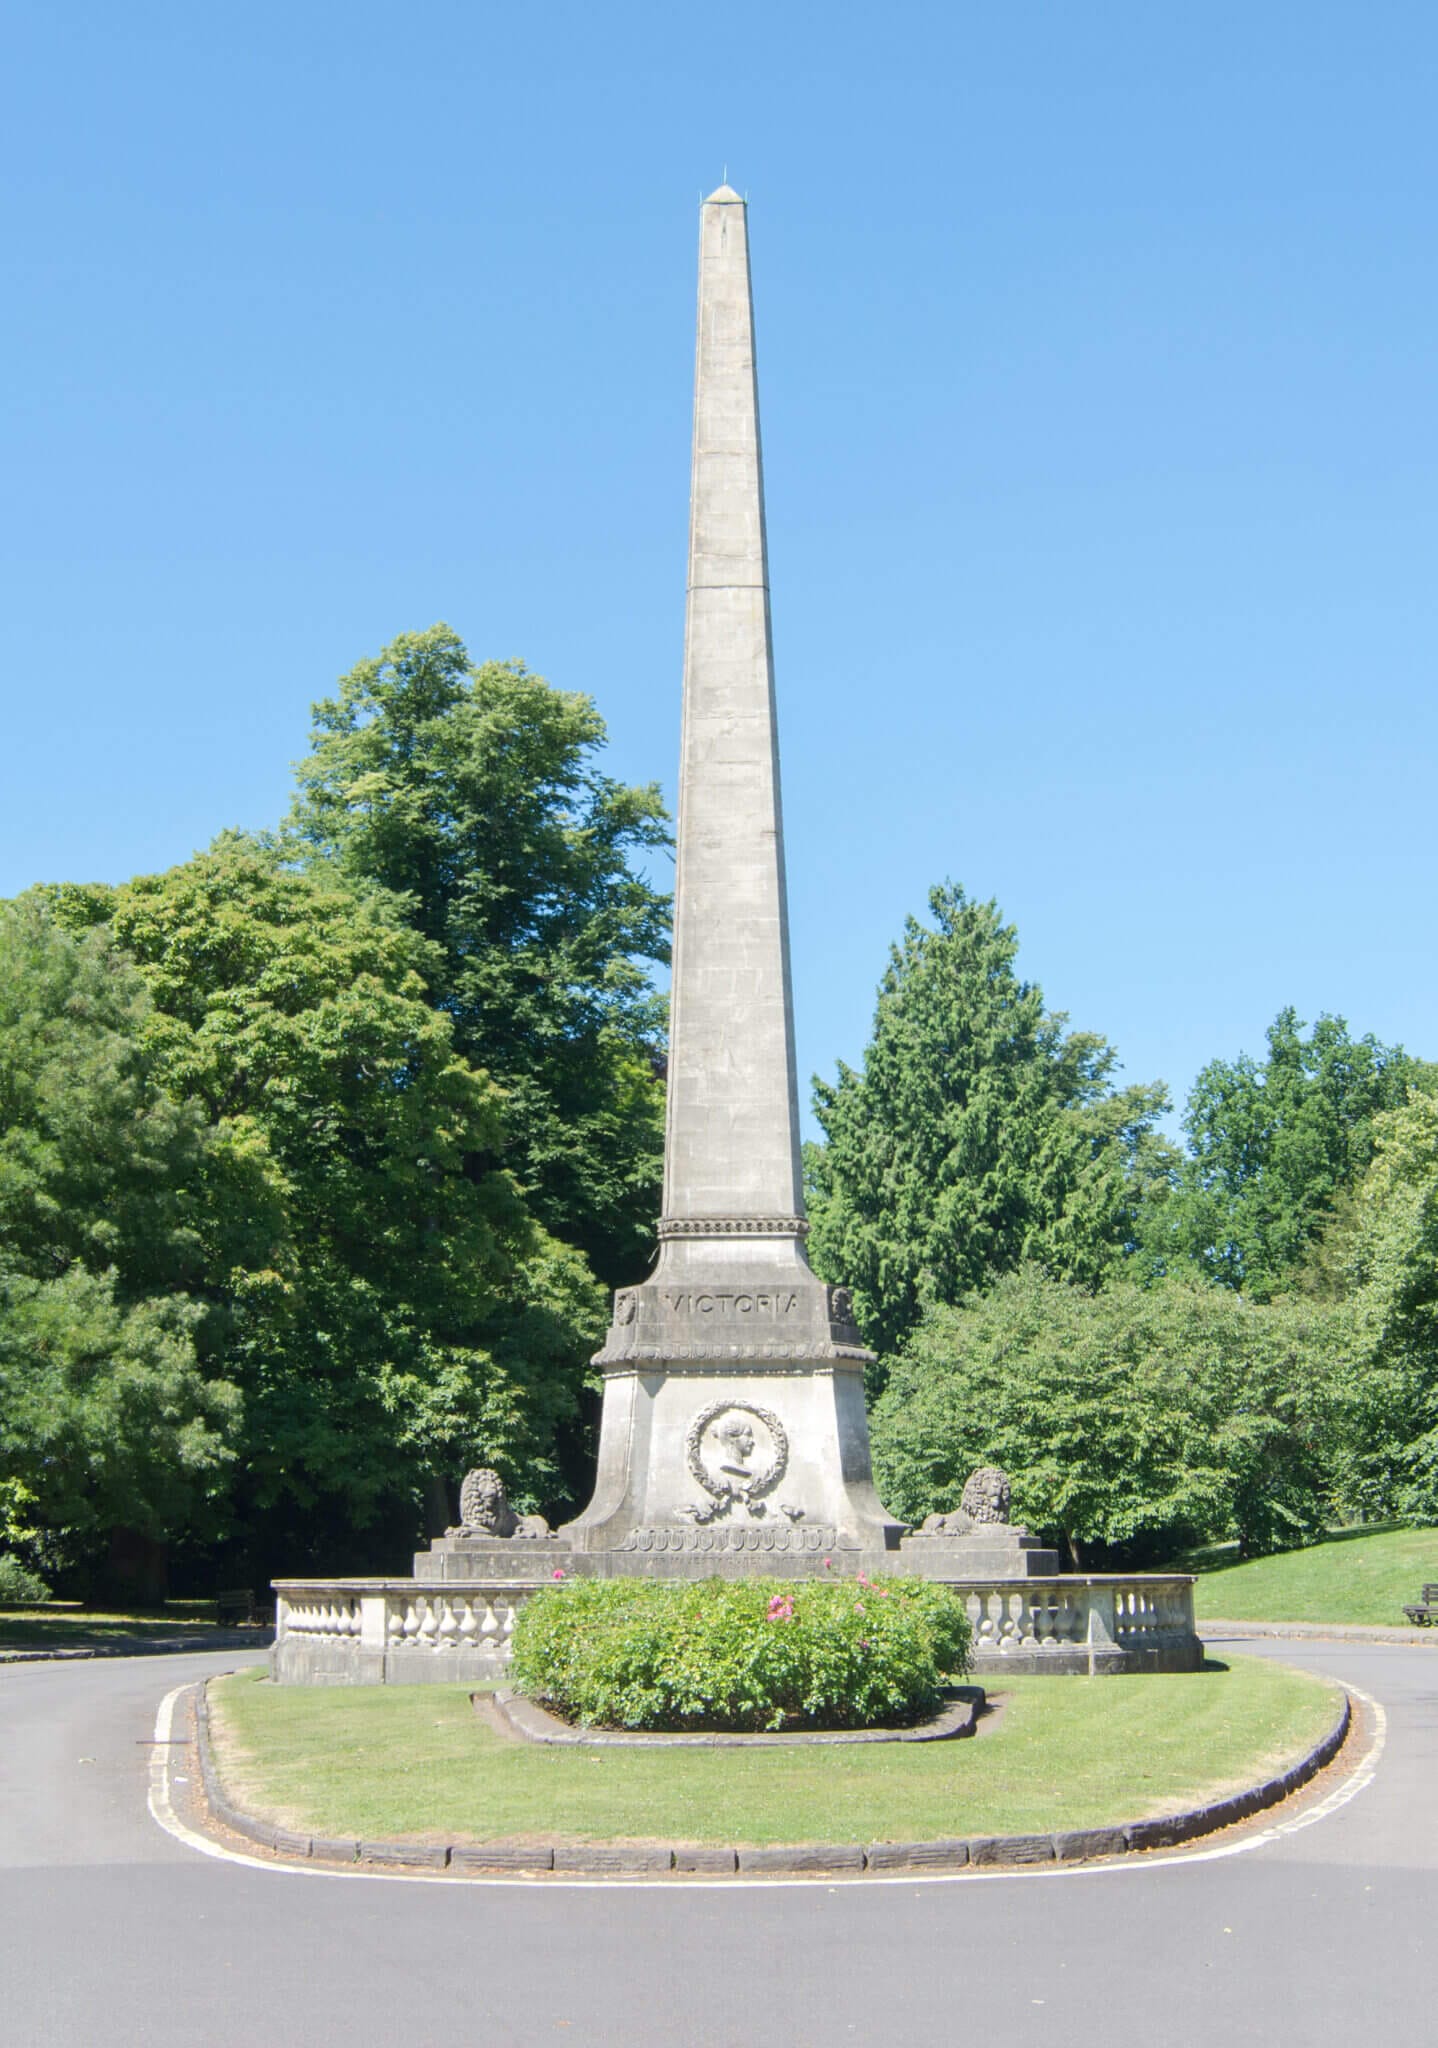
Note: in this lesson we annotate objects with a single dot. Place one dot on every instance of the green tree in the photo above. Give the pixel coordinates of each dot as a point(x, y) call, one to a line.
point(1274, 1144)
point(377, 1286)
point(98, 1162)
point(979, 1133)
point(1131, 1421)
point(471, 792)
point(108, 1421)
point(1389, 1460)
point(112, 1430)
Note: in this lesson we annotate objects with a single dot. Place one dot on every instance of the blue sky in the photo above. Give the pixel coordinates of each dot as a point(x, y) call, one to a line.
point(1097, 353)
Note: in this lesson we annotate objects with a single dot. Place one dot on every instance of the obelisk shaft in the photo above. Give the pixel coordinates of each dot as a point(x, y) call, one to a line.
point(732, 1143)
point(733, 1435)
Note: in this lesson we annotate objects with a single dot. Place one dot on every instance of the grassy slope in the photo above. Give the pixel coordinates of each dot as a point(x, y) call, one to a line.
point(1066, 1752)
point(1351, 1578)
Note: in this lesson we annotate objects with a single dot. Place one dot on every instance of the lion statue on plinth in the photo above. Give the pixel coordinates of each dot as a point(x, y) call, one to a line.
point(984, 1504)
point(484, 1509)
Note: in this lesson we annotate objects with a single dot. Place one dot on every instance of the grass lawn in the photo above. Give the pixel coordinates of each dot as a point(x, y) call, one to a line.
point(64, 1624)
point(1358, 1576)
point(417, 1762)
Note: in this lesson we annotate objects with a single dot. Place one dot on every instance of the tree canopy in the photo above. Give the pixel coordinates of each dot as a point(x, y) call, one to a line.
point(979, 1132)
point(1273, 1146)
point(1390, 1245)
point(1131, 1420)
point(389, 1305)
point(109, 1419)
point(472, 793)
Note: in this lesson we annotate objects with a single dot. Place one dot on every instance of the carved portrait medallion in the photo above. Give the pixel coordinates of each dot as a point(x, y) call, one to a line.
point(738, 1453)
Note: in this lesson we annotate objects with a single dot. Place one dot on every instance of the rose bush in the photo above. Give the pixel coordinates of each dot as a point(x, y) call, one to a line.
point(740, 1654)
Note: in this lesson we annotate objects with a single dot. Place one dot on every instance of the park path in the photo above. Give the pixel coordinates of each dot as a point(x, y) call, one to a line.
point(112, 1931)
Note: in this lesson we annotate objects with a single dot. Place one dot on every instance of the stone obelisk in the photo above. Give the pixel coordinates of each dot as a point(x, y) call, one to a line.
point(733, 1434)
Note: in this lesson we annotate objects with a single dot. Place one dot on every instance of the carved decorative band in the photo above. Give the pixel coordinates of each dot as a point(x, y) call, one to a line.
point(733, 1226)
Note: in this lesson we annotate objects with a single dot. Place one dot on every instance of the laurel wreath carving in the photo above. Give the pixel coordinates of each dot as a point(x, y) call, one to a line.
point(762, 1483)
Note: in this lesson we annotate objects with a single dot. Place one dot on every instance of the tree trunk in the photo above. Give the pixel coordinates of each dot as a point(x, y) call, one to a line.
point(437, 1511)
point(1075, 1556)
point(136, 1571)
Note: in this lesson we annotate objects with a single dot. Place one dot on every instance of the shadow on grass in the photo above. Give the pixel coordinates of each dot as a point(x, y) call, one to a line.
point(59, 1624)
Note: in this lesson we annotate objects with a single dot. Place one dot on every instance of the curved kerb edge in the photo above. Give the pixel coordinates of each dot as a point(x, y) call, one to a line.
point(524, 1718)
point(594, 1859)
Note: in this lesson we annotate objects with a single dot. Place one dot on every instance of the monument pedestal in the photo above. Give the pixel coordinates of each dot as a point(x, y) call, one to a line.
point(734, 1434)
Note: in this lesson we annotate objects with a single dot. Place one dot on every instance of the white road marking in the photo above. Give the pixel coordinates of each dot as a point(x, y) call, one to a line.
point(163, 1811)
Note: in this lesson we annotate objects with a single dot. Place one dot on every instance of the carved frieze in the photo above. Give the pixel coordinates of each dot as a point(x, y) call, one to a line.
point(706, 1540)
point(733, 1226)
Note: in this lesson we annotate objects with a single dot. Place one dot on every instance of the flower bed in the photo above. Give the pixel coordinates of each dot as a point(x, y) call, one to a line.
point(740, 1655)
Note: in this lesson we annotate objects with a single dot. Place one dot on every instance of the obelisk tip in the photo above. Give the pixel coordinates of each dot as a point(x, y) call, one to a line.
point(725, 196)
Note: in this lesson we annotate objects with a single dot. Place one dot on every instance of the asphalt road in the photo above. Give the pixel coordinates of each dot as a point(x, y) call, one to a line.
point(113, 1933)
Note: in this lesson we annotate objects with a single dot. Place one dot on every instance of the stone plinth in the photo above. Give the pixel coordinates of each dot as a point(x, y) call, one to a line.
point(734, 1421)
point(992, 1552)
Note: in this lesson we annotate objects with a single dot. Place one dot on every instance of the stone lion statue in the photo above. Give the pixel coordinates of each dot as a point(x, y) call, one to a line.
point(484, 1509)
point(984, 1504)
point(986, 1495)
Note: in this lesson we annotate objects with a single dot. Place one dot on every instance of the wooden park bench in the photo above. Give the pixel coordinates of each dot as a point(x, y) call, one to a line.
point(237, 1608)
point(1425, 1614)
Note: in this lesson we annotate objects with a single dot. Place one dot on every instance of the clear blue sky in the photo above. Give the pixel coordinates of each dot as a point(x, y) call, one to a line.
point(1097, 354)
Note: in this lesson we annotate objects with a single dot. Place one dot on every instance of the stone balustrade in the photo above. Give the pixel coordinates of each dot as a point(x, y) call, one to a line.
point(399, 1632)
point(392, 1631)
point(1099, 1623)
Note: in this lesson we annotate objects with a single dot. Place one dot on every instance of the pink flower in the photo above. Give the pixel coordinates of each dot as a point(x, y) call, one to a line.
point(557, 1573)
point(863, 1642)
point(828, 1564)
point(863, 1581)
point(781, 1608)
point(858, 1607)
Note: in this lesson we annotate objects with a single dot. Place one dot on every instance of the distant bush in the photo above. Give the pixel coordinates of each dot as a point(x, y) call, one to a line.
point(744, 1655)
point(19, 1586)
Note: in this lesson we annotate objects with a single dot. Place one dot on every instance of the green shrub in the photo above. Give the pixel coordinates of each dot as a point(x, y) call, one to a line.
point(745, 1654)
point(19, 1586)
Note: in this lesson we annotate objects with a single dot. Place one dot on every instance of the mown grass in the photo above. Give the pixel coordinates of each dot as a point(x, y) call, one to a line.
point(418, 1762)
point(65, 1624)
point(1356, 1576)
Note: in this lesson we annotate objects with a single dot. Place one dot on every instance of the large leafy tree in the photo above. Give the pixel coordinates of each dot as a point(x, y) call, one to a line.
point(472, 793)
point(1274, 1145)
point(1131, 1420)
point(1388, 1239)
point(98, 1160)
point(979, 1132)
point(377, 1286)
point(108, 1421)
point(113, 1429)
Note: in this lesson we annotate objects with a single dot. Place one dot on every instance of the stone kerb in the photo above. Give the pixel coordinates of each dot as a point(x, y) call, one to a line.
point(407, 1632)
point(819, 1859)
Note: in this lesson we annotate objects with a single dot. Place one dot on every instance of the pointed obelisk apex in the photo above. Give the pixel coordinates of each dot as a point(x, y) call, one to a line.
point(732, 1146)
